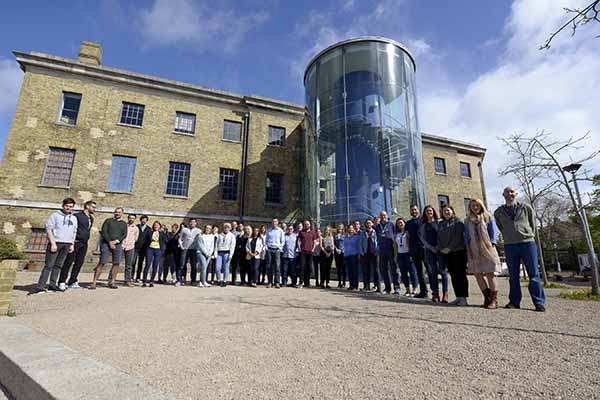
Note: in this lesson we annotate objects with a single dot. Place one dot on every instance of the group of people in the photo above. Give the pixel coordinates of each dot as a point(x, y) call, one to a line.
point(400, 253)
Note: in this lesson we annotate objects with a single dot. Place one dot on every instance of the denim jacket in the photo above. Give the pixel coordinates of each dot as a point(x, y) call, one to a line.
point(364, 242)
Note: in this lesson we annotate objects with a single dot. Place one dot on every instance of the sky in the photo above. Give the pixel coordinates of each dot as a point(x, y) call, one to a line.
point(480, 73)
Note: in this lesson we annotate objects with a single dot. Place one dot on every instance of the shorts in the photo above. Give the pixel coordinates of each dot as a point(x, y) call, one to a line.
point(106, 252)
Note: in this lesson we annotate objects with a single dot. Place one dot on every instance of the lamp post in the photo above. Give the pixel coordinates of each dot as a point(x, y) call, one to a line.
point(555, 247)
point(573, 168)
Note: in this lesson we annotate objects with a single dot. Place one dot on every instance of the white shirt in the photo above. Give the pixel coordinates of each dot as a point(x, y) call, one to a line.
point(402, 242)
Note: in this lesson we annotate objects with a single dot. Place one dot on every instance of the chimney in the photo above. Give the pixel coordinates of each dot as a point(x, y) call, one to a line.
point(90, 53)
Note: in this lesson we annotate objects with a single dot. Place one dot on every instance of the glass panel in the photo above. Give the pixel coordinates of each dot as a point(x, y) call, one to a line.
point(276, 136)
point(465, 169)
point(185, 123)
point(228, 182)
point(70, 108)
point(121, 174)
point(178, 179)
point(58, 167)
point(274, 186)
point(132, 114)
point(232, 131)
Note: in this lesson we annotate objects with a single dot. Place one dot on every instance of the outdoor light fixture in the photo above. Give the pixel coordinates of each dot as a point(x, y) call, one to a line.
point(572, 168)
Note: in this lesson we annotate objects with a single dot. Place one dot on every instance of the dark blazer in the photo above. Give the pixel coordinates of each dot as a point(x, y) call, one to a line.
point(144, 237)
point(162, 239)
point(84, 225)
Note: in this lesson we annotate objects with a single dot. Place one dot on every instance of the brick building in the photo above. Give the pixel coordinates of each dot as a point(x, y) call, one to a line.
point(168, 149)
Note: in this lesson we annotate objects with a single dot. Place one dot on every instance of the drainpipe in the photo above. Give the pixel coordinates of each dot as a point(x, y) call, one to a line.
point(244, 165)
point(483, 193)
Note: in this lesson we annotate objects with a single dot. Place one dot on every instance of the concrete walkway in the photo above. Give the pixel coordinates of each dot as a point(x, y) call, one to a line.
point(239, 342)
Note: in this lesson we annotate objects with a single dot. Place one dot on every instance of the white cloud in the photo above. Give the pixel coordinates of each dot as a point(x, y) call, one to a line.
point(10, 83)
point(529, 90)
point(199, 24)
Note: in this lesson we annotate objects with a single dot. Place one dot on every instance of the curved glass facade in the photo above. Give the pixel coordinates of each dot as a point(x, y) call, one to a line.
point(363, 151)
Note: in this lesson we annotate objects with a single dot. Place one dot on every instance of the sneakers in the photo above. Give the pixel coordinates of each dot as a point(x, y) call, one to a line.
point(269, 286)
point(177, 284)
point(540, 308)
point(200, 284)
point(408, 293)
point(112, 286)
point(62, 286)
point(37, 291)
point(278, 286)
point(421, 295)
point(460, 302)
point(53, 288)
point(512, 306)
point(75, 286)
point(207, 284)
point(92, 286)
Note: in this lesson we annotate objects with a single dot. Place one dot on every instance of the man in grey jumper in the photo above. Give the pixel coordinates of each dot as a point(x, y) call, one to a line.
point(517, 224)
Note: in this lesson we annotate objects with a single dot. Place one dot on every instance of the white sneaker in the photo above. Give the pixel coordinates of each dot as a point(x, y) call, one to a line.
point(207, 284)
point(62, 286)
point(74, 286)
point(200, 284)
point(177, 284)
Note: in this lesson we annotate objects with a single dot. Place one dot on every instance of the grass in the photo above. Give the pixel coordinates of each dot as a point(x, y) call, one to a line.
point(552, 285)
point(585, 294)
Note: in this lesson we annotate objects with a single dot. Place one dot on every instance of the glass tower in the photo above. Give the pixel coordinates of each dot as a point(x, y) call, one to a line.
point(362, 149)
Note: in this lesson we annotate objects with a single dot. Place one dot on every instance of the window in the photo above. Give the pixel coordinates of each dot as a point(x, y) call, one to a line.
point(232, 131)
point(228, 183)
point(132, 114)
point(467, 201)
point(70, 108)
point(443, 201)
point(465, 169)
point(37, 239)
point(121, 174)
point(440, 165)
point(178, 179)
point(276, 136)
point(58, 167)
point(185, 123)
point(274, 188)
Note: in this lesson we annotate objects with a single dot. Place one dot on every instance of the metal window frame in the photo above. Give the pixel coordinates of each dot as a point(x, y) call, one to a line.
point(181, 187)
point(132, 177)
point(183, 114)
point(45, 177)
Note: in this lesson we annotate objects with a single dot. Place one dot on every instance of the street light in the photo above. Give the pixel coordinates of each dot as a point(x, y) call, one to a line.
point(573, 168)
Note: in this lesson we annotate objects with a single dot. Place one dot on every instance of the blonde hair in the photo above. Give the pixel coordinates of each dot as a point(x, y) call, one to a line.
point(485, 215)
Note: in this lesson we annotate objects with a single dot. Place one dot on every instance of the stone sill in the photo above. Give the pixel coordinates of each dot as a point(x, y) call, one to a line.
point(129, 126)
point(184, 134)
point(170, 196)
point(231, 141)
point(64, 125)
point(54, 187)
point(441, 174)
point(467, 177)
point(117, 192)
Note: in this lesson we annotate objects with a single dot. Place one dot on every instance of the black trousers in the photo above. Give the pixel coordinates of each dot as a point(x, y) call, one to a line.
point(326, 268)
point(369, 264)
point(75, 259)
point(306, 267)
point(263, 270)
point(141, 257)
point(235, 266)
point(244, 270)
point(418, 257)
point(190, 255)
point(457, 266)
point(317, 268)
point(340, 269)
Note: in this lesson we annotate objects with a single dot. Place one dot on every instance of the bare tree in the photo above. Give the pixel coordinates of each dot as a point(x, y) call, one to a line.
point(580, 17)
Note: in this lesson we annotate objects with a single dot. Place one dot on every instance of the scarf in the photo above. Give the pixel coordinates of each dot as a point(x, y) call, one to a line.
point(480, 245)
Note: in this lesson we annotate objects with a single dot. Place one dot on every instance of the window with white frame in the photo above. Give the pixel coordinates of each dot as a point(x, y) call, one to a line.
point(440, 165)
point(276, 136)
point(228, 183)
point(70, 108)
point(178, 179)
point(465, 169)
point(132, 114)
point(232, 131)
point(121, 174)
point(59, 165)
point(185, 123)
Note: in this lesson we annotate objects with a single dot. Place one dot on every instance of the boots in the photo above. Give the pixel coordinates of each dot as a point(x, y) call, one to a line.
point(445, 297)
point(486, 297)
point(493, 304)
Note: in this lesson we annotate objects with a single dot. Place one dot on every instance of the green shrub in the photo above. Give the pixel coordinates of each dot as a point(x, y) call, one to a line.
point(9, 250)
point(580, 295)
point(552, 285)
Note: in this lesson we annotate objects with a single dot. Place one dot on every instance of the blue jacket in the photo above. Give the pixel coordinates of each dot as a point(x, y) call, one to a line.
point(364, 242)
point(352, 245)
point(492, 230)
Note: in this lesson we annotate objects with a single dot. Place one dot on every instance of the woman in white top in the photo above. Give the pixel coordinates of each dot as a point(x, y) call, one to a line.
point(263, 255)
point(206, 250)
point(402, 250)
point(224, 252)
point(254, 249)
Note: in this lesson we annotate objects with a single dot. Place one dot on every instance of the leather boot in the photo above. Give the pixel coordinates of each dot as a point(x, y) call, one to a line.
point(445, 297)
point(487, 293)
point(493, 300)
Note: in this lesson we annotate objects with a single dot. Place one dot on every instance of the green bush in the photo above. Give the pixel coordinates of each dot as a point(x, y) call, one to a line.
point(580, 295)
point(9, 250)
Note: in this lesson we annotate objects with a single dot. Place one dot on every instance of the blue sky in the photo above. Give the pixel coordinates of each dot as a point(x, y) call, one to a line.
point(479, 69)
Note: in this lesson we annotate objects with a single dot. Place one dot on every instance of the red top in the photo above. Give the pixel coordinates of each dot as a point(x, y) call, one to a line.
point(306, 239)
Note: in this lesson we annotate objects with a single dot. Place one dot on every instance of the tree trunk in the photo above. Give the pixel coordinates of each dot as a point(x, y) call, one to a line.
point(541, 260)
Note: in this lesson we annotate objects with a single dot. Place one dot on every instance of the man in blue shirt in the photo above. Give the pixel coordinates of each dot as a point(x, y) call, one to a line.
point(274, 242)
point(413, 226)
point(387, 264)
point(289, 255)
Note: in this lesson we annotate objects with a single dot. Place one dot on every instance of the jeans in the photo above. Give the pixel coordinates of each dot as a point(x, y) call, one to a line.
point(369, 264)
point(387, 268)
point(417, 257)
point(406, 268)
point(317, 268)
point(204, 261)
point(351, 264)
point(457, 267)
point(306, 267)
point(289, 269)
point(222, 263)
point(274, 266)
point(254, 267)
point(129, 264)
point(527, 254)
point(340, 268)
point(76, 259)
point(140, 257)
point(435, 267)
point(192, 256)
point(53, 265)
point(152, 258)
point(325, 268)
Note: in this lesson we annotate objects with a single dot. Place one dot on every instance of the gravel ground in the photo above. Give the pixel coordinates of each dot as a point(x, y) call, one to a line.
point(238, 342)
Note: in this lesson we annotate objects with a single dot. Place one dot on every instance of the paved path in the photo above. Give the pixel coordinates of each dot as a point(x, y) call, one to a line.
point(313, 344)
